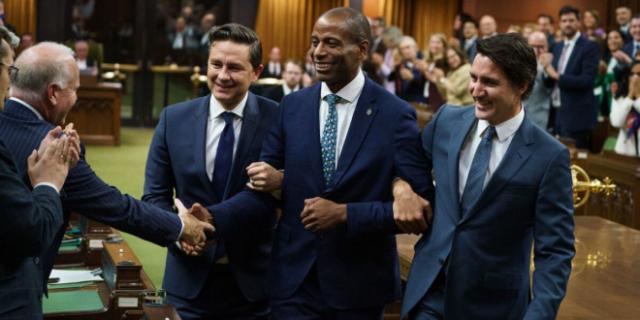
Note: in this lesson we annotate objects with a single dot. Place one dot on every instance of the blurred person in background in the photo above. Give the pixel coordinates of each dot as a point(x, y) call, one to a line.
point(538, 103)
point(456, 82)
point(625, 114)
point(435, 59)
point(409, 80)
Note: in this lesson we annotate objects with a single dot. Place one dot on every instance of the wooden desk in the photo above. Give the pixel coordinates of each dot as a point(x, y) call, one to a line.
point(605, 280)
point(96, 115)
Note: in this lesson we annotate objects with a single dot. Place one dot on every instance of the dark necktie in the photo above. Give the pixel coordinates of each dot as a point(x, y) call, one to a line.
point(478, 171)
point(328, 141)
point(224, 156)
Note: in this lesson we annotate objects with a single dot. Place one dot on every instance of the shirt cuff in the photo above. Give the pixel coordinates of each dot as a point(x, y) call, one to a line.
point(48, 184)
point(181, 229)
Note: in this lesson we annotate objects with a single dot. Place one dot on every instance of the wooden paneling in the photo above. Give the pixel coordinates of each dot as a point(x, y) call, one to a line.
point(96, 115)
point(22, 14)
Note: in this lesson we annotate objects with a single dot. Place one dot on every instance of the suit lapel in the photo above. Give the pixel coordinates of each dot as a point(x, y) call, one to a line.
point(456, 142)
point(247, 134)
point(576, 51)
point(200, 143)
point(517, 154)
point(362, 117)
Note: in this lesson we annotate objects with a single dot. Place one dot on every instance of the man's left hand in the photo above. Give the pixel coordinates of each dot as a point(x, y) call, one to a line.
point(320, 214)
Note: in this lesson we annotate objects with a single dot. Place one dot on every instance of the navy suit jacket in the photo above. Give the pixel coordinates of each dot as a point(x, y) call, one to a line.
point(356, 263)
point(579, 108)
point(83, 191)
point(29, 221)
point(177, 162)
point(487, 252)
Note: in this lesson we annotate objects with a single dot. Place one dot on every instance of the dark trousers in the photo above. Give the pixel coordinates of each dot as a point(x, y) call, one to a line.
point(431, 306)
point(582, 138)
point(307, 303)
point(220, 299)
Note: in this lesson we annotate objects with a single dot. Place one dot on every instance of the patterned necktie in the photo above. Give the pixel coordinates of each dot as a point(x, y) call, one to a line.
point(478, 171)
point(328, 141)
point(224, 156)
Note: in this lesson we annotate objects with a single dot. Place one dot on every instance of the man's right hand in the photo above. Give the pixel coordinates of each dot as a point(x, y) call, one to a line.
point(263, 177)
point(51, 164)
point(194, 230)
point(412, 213)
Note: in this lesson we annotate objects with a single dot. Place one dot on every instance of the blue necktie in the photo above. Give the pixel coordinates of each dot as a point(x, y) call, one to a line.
point(222, 168)
point(328, 141)
point(224, 156)
point(478, 171)
point(635, 52)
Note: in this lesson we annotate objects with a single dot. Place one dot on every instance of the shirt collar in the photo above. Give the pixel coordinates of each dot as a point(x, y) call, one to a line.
point(28, 106)
point(505, 129)
point(287, 90)
point(216, 109)
point(350, 92)
point(573, 40)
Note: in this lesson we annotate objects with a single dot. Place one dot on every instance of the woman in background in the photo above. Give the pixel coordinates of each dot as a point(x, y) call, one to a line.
point(625, 114)
point(456, 83)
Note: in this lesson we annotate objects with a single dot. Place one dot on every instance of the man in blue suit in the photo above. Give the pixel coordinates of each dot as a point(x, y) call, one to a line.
point(29, 221)
point(341, 144)
point(632, 48)
point(573, 70)
point(200, 151)
point(502, 184)
point(42, 93)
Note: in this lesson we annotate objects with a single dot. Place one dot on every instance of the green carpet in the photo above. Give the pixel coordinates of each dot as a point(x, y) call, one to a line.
point(123, 167)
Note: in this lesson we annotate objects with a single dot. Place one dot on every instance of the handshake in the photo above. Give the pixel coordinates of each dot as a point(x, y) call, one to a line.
point(197, 228)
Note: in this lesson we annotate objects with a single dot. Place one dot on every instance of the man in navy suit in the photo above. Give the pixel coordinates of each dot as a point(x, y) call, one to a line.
point(42, 93)
point(200, 151)
point(29, 221)
point(632, 48)
point(341, 144)
point(573, 70)
point(502, 184)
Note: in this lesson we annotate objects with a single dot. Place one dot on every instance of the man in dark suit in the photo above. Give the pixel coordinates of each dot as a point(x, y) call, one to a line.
point(42, 93)
point(574, 70)
point(29, 221)
point(341, 143)
point(200, 150)
point(632, 48)
point(623, 19)
point(292, 76)
point(502, 183)
point(273, 69)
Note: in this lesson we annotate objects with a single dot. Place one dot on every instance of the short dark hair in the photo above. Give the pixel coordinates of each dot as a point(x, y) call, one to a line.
point(356, 24)
point(238, 33)
point(548, 16)
point(568, 10)
point(380, 21)
point(472, 21)
point(513, 55)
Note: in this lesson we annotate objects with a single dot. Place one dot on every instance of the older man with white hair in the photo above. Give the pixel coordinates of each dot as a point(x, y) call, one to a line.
point(538, 104)
point(43, 91)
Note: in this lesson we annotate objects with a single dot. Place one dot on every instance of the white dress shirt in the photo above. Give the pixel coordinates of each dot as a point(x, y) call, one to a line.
point(286, 90)
point(274, 68)
point(215, 125)
point(345, 108)
point(619, 111)
point(501, 141)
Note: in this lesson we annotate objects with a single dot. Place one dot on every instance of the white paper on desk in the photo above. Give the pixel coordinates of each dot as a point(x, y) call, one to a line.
point(73, 276)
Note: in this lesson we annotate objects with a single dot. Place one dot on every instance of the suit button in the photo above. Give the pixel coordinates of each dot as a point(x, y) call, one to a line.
point(36, 260)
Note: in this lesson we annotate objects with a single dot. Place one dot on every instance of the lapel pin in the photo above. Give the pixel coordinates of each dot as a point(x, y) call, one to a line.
point(369, 111)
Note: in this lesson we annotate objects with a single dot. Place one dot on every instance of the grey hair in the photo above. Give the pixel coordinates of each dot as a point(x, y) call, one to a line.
point(39, 66)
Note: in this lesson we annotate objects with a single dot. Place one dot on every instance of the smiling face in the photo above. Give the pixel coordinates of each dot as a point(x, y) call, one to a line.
point(614, 41)
point(337, 57)
point(496, 100)
point(230, 72)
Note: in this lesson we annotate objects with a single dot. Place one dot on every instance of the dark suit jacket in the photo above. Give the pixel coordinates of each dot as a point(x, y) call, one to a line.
point(29, 221)
point(83, 191)
point(357, 262)
point(275, 93)
point(410, 91)
point(579, 108)
point(266, 74)
point(528, 199)
point(628, 49)
point(177, 162)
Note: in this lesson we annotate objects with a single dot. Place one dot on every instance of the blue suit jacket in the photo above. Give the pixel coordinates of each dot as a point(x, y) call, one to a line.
point(83, 191)
point(357, 262)
point(528, 199)
point(177, 162)
point(579, 108)
point(29, 221)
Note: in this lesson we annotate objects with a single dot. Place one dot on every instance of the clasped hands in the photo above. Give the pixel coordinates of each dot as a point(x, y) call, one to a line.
point(197, 228)
point(58, 152)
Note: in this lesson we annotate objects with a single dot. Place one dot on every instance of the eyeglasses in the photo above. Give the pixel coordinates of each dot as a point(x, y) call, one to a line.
point(13, 71)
